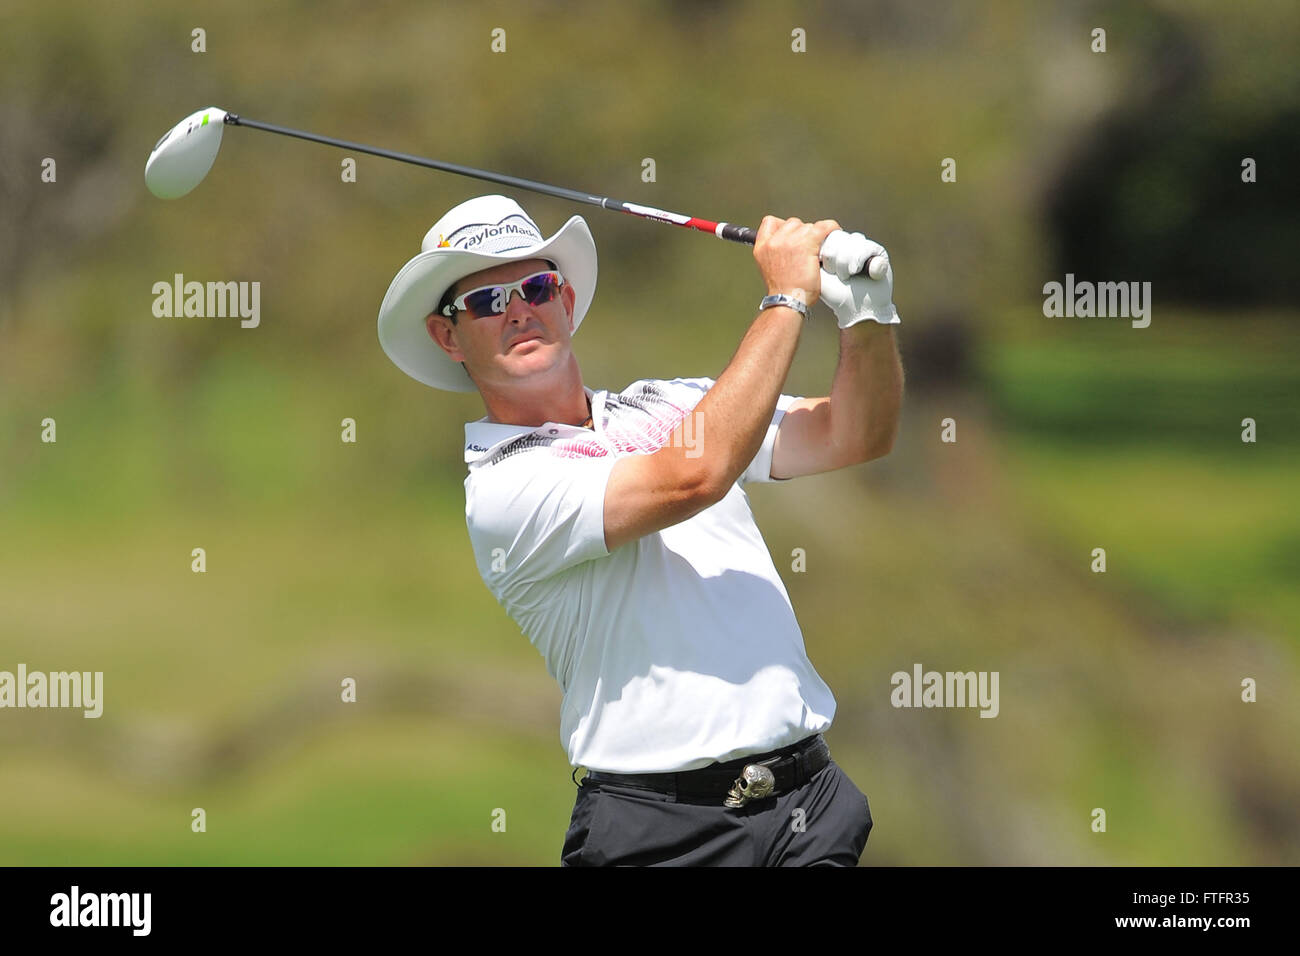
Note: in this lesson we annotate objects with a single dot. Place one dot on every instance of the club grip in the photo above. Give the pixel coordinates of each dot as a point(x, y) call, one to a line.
point(874, 267)
point(739, 233)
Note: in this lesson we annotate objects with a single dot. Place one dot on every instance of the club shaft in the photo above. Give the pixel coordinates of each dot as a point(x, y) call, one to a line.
point(723, 230)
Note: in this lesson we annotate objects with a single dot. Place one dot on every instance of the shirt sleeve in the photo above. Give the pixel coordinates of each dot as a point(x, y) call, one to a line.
point(760, 469)
point(535, 517)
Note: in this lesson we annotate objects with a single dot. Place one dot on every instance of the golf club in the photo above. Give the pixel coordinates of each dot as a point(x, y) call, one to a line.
point(183, 157)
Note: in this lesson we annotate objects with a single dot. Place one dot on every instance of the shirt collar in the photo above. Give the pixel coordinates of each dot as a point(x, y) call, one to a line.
point(483, 437)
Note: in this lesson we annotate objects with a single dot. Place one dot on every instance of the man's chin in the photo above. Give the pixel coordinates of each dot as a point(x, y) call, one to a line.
point(517, 365)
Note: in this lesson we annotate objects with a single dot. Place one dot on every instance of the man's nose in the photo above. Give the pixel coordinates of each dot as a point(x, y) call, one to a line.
point(516, 307)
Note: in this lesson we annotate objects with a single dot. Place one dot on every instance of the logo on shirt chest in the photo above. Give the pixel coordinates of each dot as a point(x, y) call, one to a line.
point(647, 422)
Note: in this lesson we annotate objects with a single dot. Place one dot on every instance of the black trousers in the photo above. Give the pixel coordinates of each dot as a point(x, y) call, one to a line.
point(823, 823)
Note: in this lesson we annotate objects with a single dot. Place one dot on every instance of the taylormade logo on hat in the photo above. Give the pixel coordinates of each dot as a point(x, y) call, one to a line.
point(479, 234)
point(501, 237)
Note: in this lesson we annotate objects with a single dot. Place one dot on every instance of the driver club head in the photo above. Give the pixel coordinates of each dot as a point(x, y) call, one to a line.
point(185, 154)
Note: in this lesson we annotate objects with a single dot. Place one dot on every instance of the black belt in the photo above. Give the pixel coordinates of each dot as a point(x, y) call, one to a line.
point(736, 782)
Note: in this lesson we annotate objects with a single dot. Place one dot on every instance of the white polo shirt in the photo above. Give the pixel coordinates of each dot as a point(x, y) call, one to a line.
point(672, 651)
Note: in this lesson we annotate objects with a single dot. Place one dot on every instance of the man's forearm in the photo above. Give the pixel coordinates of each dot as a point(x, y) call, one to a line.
point(867, 392)
point(732, 419)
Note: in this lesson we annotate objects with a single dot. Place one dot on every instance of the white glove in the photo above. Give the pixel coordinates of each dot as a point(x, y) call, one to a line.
point(856, 298)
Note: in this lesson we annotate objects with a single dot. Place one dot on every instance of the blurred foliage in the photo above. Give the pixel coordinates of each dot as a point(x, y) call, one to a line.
point(1118, 690)
point(1138, 444)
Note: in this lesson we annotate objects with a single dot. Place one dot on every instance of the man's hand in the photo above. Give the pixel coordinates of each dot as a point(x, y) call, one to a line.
point(787, 252)
point(859, 298)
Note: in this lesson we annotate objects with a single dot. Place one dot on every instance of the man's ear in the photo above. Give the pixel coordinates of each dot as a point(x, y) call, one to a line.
point(570, 299)
point(440, 330)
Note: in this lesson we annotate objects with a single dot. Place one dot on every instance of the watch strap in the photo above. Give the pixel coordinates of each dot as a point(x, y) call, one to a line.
point(786, 300)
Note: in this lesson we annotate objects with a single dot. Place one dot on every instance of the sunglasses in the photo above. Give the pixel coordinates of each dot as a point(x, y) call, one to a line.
point(536, 289)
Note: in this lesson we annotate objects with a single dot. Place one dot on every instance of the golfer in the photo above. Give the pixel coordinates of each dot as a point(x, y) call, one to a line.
point(613, 528)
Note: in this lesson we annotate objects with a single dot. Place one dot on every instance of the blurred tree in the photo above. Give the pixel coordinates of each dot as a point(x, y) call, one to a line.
point(1155, 190)
point(55, 114)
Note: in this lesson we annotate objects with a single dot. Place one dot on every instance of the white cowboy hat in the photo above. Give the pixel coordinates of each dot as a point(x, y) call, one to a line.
point(478, 234)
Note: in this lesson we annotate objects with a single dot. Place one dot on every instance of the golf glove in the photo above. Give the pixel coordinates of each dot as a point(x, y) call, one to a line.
point(856, 298)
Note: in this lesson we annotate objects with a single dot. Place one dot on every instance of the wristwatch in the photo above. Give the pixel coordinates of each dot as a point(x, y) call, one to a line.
point(786, 300)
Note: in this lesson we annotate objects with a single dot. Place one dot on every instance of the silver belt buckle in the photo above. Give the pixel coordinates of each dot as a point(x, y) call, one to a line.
point(755, 782)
